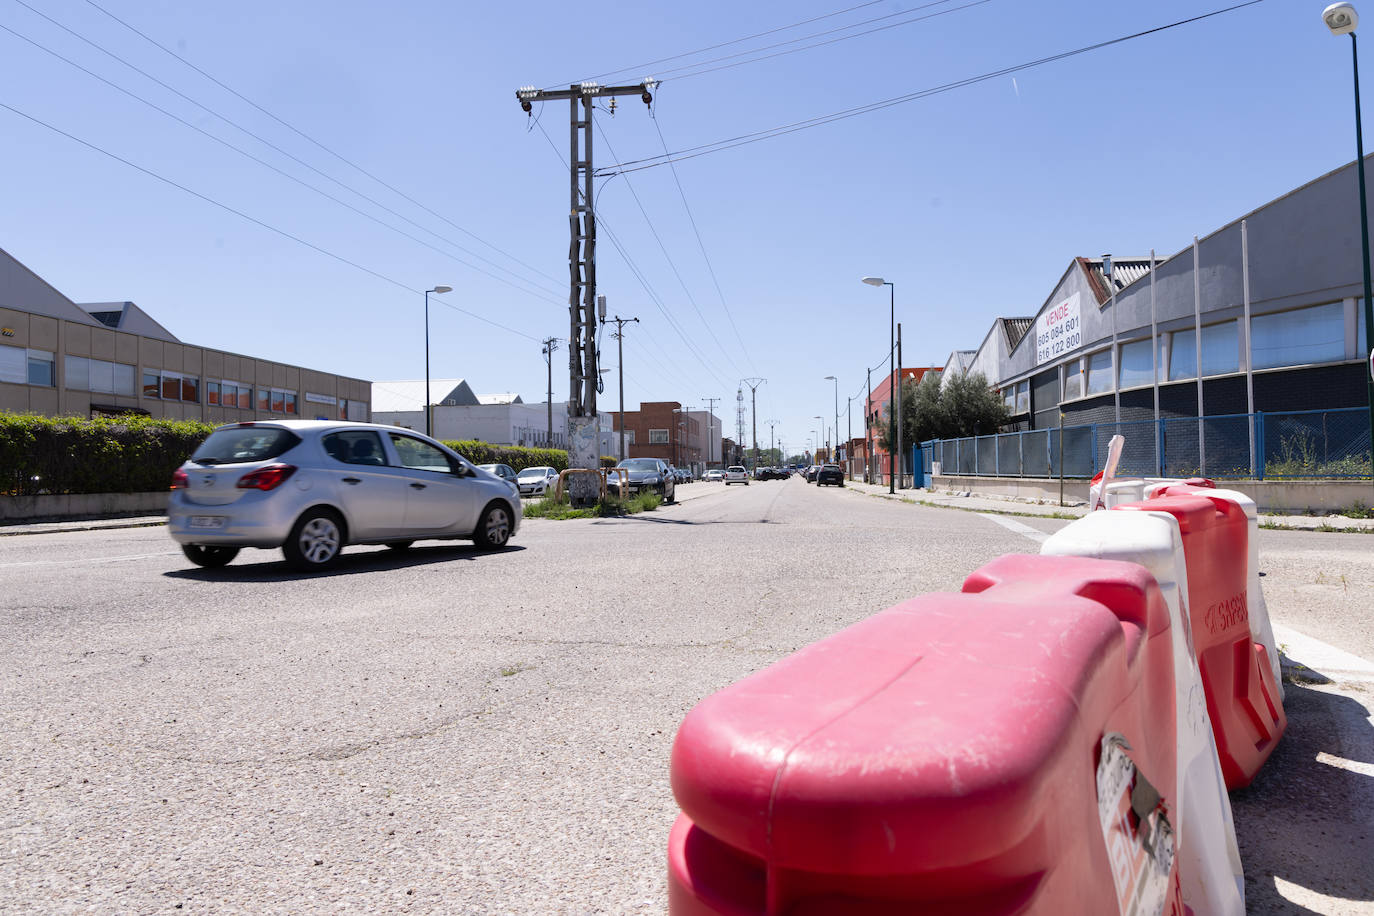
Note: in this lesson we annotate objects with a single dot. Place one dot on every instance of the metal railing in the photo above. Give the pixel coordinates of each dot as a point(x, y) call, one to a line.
point(1259, 446)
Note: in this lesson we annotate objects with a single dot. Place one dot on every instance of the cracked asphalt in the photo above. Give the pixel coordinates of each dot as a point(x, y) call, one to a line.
point(439, 731)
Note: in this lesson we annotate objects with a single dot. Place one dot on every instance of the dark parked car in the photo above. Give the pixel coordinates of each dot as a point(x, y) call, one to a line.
point(830, 474)
point(811, 473)
point(504, 471)
point(650, 474)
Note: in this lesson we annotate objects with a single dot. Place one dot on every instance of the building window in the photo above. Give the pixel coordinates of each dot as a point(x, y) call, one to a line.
point(1137, 363)
point(1073, 379)
point(99, 376)
point(212, 393)
point(1299, 337)
point(264, 399)
point(169, 386)
point(658, 437)
point(1220, 351)
point(1008, 400)
point(1023, 397)
point(1100, 372)
point(21, 366)
point(629, 437)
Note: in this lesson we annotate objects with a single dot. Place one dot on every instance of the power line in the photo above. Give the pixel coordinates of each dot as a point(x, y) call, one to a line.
point(636, 165)
point(266, 164)
point(318, 144)
point(252, 219)
point(662, 60)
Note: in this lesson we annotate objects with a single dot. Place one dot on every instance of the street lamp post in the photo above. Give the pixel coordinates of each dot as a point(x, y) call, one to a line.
point(820, 433)
point(894, 382)
point(837, 414)
point(429, 410)
point(1342, 19)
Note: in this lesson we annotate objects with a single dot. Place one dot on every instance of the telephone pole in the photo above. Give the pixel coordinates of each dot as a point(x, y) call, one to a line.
point(754, 384)
point(710, 416)
point(619, 336)
point(550, 345)
point(583, 431)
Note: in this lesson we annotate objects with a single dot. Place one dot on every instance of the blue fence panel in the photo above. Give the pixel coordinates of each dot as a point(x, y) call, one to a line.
point(1137, 452)
point(1009, 454)
point(1035, 453)
point(987, 456)
point(1226, 446)
point(1182, 457)
point(949, 459)
point(1317, 443)
point(967, 458)
point(1078, 454)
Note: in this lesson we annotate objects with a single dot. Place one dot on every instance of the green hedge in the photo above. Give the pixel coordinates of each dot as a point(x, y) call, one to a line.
point(139, 454)
point(76, 455)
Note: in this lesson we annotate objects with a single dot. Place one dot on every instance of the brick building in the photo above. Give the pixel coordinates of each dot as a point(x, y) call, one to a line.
point(664, 429)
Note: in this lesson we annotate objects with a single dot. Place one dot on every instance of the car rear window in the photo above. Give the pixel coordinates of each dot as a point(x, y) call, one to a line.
point(240, 444)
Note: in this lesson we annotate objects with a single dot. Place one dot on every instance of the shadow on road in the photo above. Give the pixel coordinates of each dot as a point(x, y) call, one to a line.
point(348, 564)
point(1308, 817)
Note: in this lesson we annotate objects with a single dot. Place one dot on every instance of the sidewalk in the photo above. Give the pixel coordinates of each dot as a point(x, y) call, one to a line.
point(976, 503)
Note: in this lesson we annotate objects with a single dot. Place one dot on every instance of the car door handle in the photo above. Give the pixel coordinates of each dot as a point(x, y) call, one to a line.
point(417, 486)
point(351, 480)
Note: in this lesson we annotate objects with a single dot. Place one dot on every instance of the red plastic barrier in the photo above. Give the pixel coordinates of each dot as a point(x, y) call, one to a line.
point(1243, 701)
point(943, 756)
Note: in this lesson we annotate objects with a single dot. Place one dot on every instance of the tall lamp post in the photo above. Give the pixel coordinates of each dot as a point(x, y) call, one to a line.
point(1342, 19)
point(429, 409)
point(895, 382)
point(832, 378)
point(820, 433)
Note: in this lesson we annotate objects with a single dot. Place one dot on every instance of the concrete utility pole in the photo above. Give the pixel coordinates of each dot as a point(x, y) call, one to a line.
point(901, 458)
point(754, 384)
point(619, 336)
point(710, 413)
point(869, 463)
point(584, 439)
point(550, 345)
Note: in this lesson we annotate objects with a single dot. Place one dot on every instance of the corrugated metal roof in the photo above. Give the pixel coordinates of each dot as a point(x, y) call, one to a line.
point(1015, 329)
point(1125, 271)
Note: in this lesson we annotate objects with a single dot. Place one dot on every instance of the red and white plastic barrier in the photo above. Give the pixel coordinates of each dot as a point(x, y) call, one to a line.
point(1008, 749)
point(1209, 859)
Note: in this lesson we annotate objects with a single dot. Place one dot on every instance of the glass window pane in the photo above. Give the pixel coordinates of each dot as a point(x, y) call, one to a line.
point(13, 365)
point(1100, 372)
point(1221, 348)
point(190, 389)
point(42, 369)
point(152, 385)
point(278, 401)
point(264, 399)
point(245, 398)
point(1300, 337)
point(1137, 363)
point(1023, 397)
point(1009, 399)
point(102, 376)
point(171, 386)
point(212, 393)
point(78, 373)
point(1073, 379)
point(1182, 356)
point(291, 403)
point(123, 379)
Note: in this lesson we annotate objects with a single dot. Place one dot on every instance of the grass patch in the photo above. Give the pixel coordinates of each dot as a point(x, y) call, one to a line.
point(610, 507)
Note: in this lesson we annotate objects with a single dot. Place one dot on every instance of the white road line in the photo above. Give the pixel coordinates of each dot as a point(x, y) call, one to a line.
point(1012, 524)
point(1327, 660)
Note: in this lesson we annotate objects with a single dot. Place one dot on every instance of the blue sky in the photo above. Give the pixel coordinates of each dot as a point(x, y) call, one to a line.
point(972, 201)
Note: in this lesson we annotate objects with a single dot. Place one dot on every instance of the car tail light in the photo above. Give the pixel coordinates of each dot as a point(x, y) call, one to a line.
point(268, 478)
point(179, 480)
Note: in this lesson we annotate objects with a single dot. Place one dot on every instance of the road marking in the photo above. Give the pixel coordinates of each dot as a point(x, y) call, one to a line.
point(1327, 660)
point(1012, 524)
point(120, 559)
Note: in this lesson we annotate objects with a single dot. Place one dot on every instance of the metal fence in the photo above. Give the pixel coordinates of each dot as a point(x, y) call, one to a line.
point(1309, 443)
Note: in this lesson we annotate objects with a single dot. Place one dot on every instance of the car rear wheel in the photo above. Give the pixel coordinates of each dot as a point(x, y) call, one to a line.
point(315, 541)
point(493, 531)
point(211, 557)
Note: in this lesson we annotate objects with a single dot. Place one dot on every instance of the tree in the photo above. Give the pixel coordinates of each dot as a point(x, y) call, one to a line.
point(963, 406)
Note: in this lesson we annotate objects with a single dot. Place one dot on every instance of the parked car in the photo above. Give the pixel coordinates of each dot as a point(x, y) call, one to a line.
point(311, 487)
point(736, 474)
point(811, 473)
point(651, 474)
point(830, 474)
point(536, 481)
point(504, 471)
point(714, 474)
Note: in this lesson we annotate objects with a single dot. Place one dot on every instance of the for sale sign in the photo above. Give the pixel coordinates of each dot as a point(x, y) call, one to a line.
point(1058, 330)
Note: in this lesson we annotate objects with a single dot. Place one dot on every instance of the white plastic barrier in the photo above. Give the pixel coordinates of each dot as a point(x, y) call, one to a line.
point(1261, 630)
point(1213, 883)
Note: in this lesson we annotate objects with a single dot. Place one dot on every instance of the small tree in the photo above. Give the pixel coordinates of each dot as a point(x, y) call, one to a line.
point(963, 406)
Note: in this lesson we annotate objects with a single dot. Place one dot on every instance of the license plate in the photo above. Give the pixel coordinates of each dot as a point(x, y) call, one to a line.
point(207, 521)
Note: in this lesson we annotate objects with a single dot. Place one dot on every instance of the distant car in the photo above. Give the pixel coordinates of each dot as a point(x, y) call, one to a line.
point(310, 487)
point(714, 474)
point(736, 474)
point(651, 474)
point(830, 474)
point(536, 481)
point(811, 473)
point(504, 471)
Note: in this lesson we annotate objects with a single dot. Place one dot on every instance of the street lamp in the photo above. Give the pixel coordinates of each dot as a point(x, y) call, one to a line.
point(429, 410)
point(820, 437)
point(832, 378)
point(893, 384)
point(1342, 19)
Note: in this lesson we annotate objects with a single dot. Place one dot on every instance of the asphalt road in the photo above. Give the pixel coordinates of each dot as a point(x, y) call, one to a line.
point(455, 731)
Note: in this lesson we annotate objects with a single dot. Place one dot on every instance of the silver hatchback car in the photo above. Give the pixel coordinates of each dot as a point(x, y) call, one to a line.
point(312, 486)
